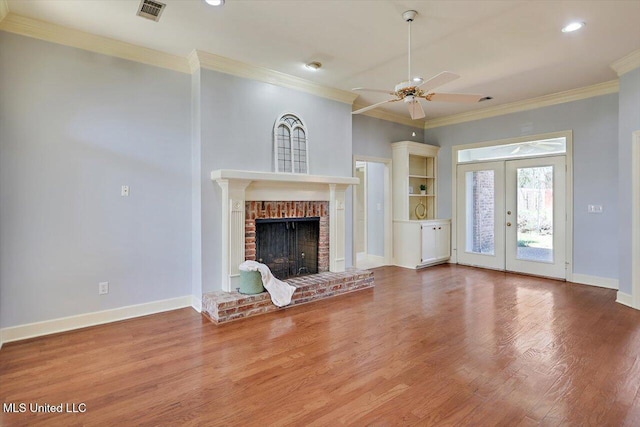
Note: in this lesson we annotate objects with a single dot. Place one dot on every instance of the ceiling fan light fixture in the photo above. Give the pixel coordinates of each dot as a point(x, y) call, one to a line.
point(214, 2)
point(415, 88)
point(574, 26)
point(313, 66)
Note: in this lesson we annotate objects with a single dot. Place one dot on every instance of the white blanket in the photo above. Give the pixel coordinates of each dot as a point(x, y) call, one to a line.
point(280, 291)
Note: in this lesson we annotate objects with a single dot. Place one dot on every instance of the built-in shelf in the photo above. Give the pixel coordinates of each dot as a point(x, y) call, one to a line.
point(414, 166)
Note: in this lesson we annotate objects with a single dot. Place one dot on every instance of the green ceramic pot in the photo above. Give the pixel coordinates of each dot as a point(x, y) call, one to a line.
point(250, 282)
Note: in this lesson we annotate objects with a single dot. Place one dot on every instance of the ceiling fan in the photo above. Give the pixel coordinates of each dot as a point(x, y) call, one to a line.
point(411, 90)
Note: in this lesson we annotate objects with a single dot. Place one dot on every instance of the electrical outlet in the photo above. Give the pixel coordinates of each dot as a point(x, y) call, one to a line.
point(124, 191)
point(103, 288)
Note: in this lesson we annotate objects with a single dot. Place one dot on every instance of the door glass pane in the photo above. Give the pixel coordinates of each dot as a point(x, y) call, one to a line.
point(480, 212)
point(535, 214)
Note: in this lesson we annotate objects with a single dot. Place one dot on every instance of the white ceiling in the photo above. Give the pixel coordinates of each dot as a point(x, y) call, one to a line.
point(511, 50)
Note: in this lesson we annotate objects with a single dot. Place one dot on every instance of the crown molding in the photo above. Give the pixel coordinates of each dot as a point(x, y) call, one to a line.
point(213, 62)
point(4, 9)
point(47, 31)
point(527, 104)
point(390, 117)
point(628, 63)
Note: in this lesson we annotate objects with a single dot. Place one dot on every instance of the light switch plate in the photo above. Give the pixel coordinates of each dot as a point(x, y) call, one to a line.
point(103, 288)
point(596, 209)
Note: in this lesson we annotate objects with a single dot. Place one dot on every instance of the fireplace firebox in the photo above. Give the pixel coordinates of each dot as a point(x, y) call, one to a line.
point(288, 246)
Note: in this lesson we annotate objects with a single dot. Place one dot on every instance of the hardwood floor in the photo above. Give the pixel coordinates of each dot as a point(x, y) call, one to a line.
point(448, 345)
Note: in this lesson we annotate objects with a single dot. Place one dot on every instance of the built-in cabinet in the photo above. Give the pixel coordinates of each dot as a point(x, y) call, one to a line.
point(419, 239)
point(421, 243)
point(436, 241)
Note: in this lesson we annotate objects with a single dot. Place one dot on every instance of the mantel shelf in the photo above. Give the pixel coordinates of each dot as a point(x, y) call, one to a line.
point(231, 174)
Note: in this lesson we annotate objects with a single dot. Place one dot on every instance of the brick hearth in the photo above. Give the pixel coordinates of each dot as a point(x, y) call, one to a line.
point(222, 307)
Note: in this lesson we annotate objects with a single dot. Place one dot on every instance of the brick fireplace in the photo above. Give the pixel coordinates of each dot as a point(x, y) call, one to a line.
point(258, 210)
point(247, 196)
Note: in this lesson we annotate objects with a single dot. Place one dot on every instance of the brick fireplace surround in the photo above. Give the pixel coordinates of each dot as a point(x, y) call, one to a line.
point(247, 196)
point(284, 209)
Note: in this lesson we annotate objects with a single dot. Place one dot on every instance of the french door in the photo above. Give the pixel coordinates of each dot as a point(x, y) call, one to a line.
point(511, 215)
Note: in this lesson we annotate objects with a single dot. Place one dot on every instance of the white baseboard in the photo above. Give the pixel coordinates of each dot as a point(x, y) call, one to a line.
point(196, 303)
point(602, 282)
point(31, 330)
point(367, 260)
point(624, 299)
point(375, 258)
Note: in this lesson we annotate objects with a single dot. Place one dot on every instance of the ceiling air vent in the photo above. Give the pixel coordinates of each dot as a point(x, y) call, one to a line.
point(151, 9)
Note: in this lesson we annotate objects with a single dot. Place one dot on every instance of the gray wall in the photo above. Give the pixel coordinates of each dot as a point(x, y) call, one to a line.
point(237, 133)
point(594, 122)
point(375, 216)
point(74, 127)
point(373, 137)
point(629, 122)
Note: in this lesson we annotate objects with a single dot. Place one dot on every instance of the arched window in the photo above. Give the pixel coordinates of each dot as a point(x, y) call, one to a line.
point(290, 144)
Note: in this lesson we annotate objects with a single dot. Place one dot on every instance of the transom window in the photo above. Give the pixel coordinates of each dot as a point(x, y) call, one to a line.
point(544, 147)
point(290, 144)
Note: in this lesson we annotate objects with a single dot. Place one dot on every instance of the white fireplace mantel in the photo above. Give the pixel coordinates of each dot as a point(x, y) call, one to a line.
point(240, 186)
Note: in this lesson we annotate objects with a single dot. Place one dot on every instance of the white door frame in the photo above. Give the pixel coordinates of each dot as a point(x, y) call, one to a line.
point(568, 195)
point(388, 214)
point(635, 219)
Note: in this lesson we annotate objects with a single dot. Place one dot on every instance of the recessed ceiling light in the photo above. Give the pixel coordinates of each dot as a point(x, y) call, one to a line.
point(313, 66)
point(418, 79)
point(215, 2)
point(574, 26)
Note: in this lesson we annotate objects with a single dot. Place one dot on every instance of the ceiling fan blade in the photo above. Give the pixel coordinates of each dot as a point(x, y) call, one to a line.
point(371, 107)
point(415, 109)
point(374, 90)
point(438, 80)
point(465, 98)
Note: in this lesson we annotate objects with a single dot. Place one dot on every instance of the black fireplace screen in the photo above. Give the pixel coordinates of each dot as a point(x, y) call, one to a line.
point(288, 246)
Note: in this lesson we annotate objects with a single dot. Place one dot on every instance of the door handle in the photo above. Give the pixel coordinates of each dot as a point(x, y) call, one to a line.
point(508, 224)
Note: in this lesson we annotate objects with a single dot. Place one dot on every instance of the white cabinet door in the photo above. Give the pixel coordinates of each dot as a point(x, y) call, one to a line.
point(443, 241)
point(429, 233)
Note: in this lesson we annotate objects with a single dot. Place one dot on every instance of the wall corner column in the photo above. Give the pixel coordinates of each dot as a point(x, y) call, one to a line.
point(337, 238)
point(232, 242)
